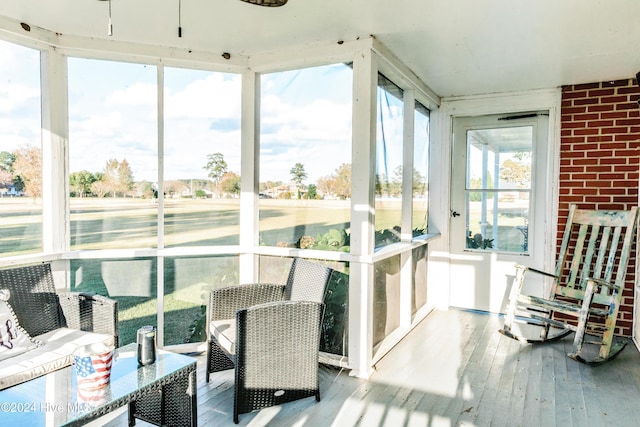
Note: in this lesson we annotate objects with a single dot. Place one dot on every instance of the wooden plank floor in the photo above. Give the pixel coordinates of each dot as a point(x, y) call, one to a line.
point(453, 369)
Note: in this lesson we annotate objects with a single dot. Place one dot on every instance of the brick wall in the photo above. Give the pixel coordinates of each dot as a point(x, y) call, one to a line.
point(600, 158)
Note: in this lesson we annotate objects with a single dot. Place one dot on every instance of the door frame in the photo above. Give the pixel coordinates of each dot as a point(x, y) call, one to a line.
point(480, 278)
point(440, 175)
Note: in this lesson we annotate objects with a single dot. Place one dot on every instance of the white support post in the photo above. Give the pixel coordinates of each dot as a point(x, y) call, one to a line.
point(408, 131)
point(55, 160)
point(361, 274)
point(160, 206)
point(249, 185)
point(406, 258)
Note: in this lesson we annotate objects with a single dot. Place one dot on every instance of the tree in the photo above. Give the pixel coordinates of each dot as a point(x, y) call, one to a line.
point(382, 184)
point(110, 179)
point(100, 188)
point(7, 180)
point(312, 192)
point(327, 185)
point(80, 183)
point(173, 188)
point(144, 189)
point(216, 166)
point(7, 160)
point(230, 183)
point(298, 175)
point(343, 181)
point(419, 183)
point(118, 177)
point(517, 172)
point(395, 186)
point(125, 177)
point(269, 185)
point(28, 166)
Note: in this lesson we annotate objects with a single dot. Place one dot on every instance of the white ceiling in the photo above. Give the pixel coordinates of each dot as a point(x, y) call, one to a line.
point(457, 47)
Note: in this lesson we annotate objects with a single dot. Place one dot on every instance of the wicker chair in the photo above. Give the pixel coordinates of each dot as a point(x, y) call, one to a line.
point(41, 309)
point(271, 335)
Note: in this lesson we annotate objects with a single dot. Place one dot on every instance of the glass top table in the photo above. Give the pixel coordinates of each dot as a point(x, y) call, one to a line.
point(161, 393)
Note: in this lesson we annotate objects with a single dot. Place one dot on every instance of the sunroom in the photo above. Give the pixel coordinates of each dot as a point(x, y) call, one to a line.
point(152, 152)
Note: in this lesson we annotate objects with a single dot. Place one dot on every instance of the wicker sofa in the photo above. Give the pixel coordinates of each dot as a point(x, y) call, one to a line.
point(41, 328)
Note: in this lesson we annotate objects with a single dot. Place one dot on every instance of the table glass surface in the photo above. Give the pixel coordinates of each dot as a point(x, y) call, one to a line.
point(53, 399)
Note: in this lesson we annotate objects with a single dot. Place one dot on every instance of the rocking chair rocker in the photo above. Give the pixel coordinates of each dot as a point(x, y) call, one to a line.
point(587, 286)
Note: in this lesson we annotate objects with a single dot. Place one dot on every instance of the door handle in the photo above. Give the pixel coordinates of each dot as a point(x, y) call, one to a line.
point(454, 214)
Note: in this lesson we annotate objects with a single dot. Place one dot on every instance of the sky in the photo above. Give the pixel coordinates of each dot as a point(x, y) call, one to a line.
point(113, 114)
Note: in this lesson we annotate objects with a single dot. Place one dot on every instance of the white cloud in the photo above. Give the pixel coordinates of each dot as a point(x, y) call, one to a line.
point(16, 95)
point(211, 98)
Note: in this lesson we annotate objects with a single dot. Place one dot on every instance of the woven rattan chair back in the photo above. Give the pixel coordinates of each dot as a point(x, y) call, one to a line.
point(307, 281)
point(33, 297)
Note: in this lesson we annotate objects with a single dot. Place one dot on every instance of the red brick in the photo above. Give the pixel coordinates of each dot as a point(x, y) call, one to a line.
point(622, 82)
point(631, 89)
point(586, 176)
point(585, 191)
point(572, 154)
point(600, 123)
point(626, 153)
point(614, 99)
point(586, 86)
point(571, 140)
point(598, 199)
point(588, 116)
point(574, 125)
point(600, 153)
point(628, 200)
point(628, 122)
point(612, 161)
point(607, 107)
point(613, 145)
point(615, 115)
point(574, 110)
point(571, 199)
point(627, 106)
point(625, 184)
point(575, 94)
point(599, 168)
point(593, 131)
point(602, 184)
point(601, 92)
point(599, 138)
point(586, 101)
point(613, 130)
point(586, 162)
point(617, 192)
point(627, 137)
point(612, 176)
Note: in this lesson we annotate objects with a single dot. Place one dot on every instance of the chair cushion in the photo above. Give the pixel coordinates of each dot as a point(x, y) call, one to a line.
point(56, 353)
point(224, 331)
point(14, 340)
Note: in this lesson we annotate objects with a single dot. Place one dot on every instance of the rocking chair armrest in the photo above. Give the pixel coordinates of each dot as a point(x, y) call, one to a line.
point(601, 282)
point(535, 270)
point(225, 302)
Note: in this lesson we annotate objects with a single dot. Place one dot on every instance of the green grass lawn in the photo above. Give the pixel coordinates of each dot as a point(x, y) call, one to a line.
point(133, 223)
